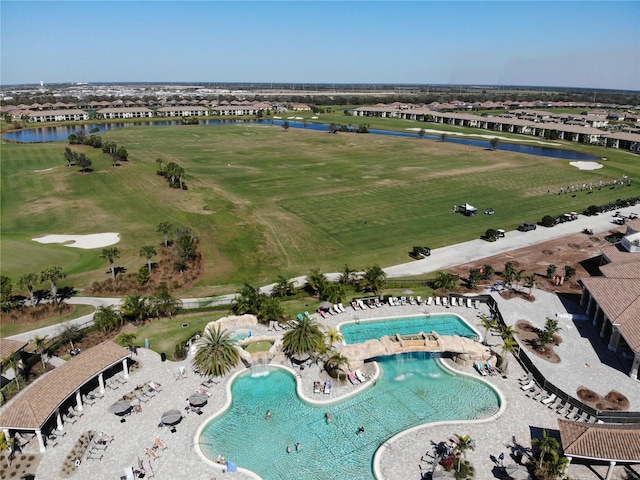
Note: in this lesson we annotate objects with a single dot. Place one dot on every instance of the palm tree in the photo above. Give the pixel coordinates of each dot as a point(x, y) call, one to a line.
point(15, 364)
point(373, 280)
point(551, 325)
point(494, 143)
point(41, 344)
point(444, 281)
point(488, 324)
point(164, 228)
point(347, 275)
point(333, 335)
point(216, 353)
point(518, 276)
point(465, 442)
point(554, 467)
point(335, 363)
point(247, 300)
point(136, 307)
point(282, 288)
point(126, 339)
point(111, 254)
point(70, 333)
point(531, 282)
point(52, 275)
point(28, 281)
point(334, 292)
point(546, 444)
point(304, 338)
point(148, 251)
point(163, 303)
point(107, 318)
point(316, 281)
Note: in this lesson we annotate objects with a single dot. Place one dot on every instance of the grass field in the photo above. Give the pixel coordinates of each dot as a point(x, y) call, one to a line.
point(266, 202)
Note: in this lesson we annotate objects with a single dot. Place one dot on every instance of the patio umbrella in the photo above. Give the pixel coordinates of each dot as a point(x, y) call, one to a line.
point(121, 407)
point(171, 417)
point(198, 399)
point(517, 471)
point(325, 305)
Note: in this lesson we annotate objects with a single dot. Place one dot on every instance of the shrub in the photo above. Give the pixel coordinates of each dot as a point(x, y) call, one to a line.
point(548, 221)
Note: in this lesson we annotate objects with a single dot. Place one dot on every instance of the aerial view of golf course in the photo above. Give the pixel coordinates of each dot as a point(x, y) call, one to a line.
point(265, 201)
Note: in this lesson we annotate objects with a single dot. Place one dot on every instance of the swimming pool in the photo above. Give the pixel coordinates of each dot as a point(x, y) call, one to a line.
point(444, 324)
point(414, 389)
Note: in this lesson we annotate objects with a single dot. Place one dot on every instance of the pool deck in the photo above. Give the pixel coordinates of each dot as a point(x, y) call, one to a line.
point(402, 457)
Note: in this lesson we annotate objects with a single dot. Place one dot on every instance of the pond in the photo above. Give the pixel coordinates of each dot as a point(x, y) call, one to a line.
point(61, 133)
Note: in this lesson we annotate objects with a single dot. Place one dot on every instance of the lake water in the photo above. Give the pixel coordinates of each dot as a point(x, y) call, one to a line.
point(61, 133)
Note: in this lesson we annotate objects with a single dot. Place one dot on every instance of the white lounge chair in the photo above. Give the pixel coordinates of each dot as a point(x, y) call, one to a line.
point(419, 300)
point(572, 412)
point(468, 303)
point(548, 399)
point(412, 301)
point(477, 303)
point(437, 300)
point(528, 386)
point(445, 301)
point(361, 305)
point(360, 376)
point(327, 387)
point(391, 304)
point(341, 307)
point(430, 301)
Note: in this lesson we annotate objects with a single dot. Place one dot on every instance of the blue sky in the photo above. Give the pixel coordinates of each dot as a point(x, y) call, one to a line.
point(574, 44)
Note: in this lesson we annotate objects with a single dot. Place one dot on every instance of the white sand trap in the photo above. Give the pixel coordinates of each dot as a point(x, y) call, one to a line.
point(45, 170)
point(94, 240)
point(586, 165)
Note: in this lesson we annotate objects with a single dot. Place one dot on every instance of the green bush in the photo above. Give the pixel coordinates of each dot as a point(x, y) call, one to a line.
point(548, 221)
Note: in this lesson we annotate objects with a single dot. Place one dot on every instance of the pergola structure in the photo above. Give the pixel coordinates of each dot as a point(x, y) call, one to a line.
point(32, 408)
point(613, 443)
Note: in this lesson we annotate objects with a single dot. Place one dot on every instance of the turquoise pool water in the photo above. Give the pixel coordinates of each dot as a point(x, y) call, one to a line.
point(444, 324)
point(414, 389)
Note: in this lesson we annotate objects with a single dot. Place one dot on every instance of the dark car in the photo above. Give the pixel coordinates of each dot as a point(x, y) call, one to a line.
point(526, 227)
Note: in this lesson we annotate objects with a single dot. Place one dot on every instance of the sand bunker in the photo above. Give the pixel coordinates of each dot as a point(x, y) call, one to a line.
point(586, 165)
point(429, 131)
point(94, 240)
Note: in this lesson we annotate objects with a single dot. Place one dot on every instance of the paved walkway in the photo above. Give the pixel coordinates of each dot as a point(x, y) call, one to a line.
point(404, 457)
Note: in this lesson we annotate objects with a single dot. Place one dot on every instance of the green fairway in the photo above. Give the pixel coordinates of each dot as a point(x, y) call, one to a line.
point(266, 202)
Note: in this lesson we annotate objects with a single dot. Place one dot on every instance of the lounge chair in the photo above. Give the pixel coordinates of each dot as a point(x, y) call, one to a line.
point(352, 378)
point(491, 369)
point(445, 301)
point(336, 308)
point(453, 302)
point(88, 400)
point(377, 303)
point(323, 314)
point(341, 307)
point(327, 387)
point(360, 376)
point(299, 317)
point(528, 386)
point(533, 392)
point(572, 412)
point(317, 387)
point(438, 301)
point(468, 303)
point(477, 304)
point(333, 311)
point(306, 314)
point(525, 378)
point(419, 300)
point(145, 466)
point(548, 399)
point(152, 453)
point(430, 301)
point(71, 420)
point(361, 304)
point(480, 369)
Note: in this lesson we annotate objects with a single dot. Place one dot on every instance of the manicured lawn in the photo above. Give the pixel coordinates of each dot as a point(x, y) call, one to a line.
point(266, 202)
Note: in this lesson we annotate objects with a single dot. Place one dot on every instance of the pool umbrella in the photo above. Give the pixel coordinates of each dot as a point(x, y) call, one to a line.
point(325, 305)
point(171, 417)
point(198, 399)
point(517, 471)
point(121, 407)
point(231, 467)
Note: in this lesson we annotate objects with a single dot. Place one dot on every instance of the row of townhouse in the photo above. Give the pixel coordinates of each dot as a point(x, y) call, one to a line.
point(118, 113)
point(510, 124)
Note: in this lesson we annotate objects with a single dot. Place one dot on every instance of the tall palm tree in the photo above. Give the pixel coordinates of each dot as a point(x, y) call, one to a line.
point(15, 364)
point(334, 292)
point(518, 276)
point(148, 251)
point(465, 442)
point(546, 445)
point(488, 324)
point(107, 318)
point(111, 254)
point(333, 335)
point(216, 353)
point(40, 344)
point(531, 282)
point(52, 275)
point(163, 303)
point(164, 228)
point(304, 338)
point(247, 300)
point(316, 281)
point(373, 280)
point(28, 281)
point(336, 362)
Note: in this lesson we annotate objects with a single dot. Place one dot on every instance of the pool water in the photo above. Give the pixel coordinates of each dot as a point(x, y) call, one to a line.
point(414, 389)
point(443, 324)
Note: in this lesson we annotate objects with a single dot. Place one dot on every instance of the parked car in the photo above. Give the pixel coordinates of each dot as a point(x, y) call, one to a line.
point(527, 226)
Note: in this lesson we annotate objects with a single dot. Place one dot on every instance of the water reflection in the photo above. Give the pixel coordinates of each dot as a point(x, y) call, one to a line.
point(61, 133)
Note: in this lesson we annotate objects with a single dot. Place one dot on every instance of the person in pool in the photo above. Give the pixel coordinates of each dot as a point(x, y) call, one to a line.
point(268, 415)
point(289, 449)
point(298, 447)
point(328, 416)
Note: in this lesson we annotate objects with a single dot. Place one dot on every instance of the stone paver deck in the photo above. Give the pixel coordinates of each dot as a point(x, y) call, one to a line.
point(403, 457)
